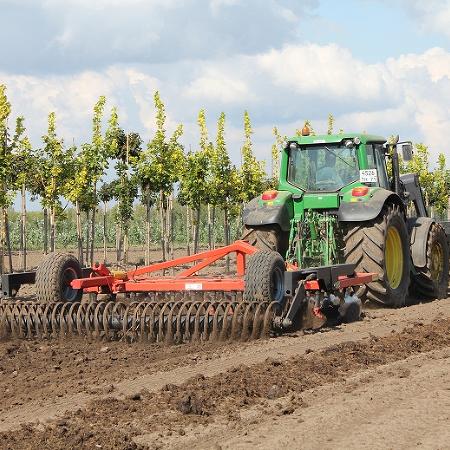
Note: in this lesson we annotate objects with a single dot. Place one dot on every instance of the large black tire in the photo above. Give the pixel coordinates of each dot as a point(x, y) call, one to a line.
point(431, 281)
point(264, 277)
point(53, 278)
point(267, 238)
point(368, 243)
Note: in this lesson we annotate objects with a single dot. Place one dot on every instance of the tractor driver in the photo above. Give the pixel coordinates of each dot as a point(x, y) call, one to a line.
point(327, 174)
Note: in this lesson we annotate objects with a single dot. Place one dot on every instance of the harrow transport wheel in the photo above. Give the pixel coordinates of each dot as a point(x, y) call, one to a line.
point(431, 281)
point(266, 237)
point(264, 277)
point(53, 278)
point(381, 246)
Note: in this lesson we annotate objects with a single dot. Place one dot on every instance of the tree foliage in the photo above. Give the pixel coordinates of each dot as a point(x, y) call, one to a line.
point(252, 173)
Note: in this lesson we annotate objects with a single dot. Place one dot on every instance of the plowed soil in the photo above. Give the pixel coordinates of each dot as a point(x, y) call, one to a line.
point(382, 382)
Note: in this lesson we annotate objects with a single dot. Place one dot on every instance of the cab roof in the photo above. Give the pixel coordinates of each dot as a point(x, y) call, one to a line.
point(336, 138)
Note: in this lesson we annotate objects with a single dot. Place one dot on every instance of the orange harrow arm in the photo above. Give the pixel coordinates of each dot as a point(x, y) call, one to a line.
point(138, 280)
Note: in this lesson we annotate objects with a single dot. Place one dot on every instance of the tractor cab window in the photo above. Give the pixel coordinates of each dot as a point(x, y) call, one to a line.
point(376, 160)
point(325, 168)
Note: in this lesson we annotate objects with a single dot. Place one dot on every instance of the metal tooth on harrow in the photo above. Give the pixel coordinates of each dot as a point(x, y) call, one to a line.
point(171, 320)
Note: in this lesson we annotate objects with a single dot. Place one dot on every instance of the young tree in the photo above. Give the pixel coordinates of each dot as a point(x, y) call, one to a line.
point(106, 193)
point(77, 191)
point(433, 183)
point(22, 163)
point(159, 166)
point(278, 145)
point(193, 190)
point(81, 189)
point(6, 196)
point(208, 151)
point(225, 179)
point(53, 174)
point(330, 124)
point(252, 173)
point(128, 149)
point(97, 161)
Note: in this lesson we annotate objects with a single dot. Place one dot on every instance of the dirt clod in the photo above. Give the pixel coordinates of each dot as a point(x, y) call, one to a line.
point(191, 404)
point(274, 392)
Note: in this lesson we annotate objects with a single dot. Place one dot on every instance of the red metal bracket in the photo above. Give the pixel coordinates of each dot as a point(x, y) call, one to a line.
point(138, 280)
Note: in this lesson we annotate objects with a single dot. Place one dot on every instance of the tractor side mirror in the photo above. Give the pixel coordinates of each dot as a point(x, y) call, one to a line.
point(407, 152)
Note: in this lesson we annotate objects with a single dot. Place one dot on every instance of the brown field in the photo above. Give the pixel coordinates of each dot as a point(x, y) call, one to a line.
point(383, 382)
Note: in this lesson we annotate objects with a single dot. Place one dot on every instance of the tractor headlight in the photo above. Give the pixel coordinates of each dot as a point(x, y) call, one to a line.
point(356, 140)
point(293, 146)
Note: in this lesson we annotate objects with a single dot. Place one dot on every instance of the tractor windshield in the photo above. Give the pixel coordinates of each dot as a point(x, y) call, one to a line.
point(322, 167)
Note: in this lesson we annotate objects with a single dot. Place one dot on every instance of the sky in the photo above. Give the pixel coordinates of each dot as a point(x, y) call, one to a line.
point(378, 66)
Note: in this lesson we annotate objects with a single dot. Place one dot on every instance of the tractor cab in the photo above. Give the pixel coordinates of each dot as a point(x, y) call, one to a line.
point(322, 168)
point(321, 164)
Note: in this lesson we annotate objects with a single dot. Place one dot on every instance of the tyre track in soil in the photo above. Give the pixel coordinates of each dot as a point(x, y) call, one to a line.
point(378, 323)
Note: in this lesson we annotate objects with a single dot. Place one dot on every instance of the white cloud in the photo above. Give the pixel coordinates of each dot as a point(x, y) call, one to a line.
point(325, 71)
point(217, 86)
point(73, 35)
point(431, 15)
point(409, 95)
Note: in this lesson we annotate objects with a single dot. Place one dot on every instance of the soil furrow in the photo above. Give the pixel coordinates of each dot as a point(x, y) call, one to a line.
point(274, 387)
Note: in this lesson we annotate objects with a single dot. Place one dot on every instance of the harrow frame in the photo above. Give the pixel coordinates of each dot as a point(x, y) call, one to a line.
point(143, 279)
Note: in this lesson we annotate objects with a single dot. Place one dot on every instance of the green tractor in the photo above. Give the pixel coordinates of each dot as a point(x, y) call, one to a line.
point(336, 204)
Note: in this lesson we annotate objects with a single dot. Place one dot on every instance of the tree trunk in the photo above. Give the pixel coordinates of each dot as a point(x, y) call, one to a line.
point(147, 232)
point(45, 231)
point(196, 229)
point(125, 246)
point(23, 229)
point(8, 240)
point(52, 228)
point(213, 220)
point(162, 209)
point(79, 233)
point(2, 246)
point(91, 255)
point(170, 233)
point(118, 237)
point(88, 236)
point(94, 209)
point(105, 210)
point(227, 234)
point(188, 230)
point(209, 227)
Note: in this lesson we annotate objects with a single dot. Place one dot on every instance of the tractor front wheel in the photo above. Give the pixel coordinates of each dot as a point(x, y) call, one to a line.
point(53, 278)
point(431, 281)
point(382, 247)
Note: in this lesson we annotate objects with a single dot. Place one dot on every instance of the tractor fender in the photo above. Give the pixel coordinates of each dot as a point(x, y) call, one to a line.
point(360, 211)
point(256, 215)
point(418, 228)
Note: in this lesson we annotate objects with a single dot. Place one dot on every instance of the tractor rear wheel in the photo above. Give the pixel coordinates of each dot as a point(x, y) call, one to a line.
point(266, 237)
point(382, 247)
point(264, 277)
point(431, 281)
point(53, 278)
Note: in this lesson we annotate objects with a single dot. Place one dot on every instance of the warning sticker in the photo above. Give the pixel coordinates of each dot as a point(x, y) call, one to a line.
point(193, 286)
point(368, 176)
